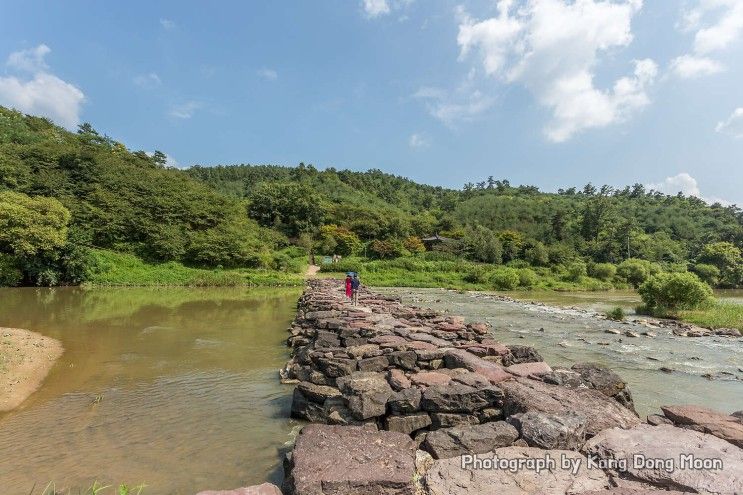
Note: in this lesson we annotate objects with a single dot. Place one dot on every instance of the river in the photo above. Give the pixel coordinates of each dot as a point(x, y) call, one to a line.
point(176, 388)
point(705, 371)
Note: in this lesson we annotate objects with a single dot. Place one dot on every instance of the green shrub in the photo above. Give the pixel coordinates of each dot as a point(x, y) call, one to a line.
point(674, 291)
point(636, 271)
point(537, 254)
point(602, 271)
point(518, 264)
point(708, 273)
point(616, 314)
point(576, 271)
point(528, 278)
point(439, 256)
point(476, 275)
point(344, 265)
point(505, 278)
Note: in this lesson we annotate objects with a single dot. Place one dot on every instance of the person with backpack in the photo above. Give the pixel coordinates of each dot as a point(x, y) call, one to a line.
point(355, 285)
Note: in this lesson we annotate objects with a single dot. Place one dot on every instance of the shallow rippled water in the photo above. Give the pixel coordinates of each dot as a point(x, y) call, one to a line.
point(188, 387)
point(570, 337)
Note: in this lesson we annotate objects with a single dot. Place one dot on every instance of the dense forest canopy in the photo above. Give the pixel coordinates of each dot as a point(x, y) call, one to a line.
point(63, 194)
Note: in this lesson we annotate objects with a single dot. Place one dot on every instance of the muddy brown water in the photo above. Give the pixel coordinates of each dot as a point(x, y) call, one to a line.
point(176, 388)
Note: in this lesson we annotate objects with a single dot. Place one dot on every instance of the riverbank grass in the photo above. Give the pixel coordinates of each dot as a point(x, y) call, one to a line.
point(716, 315)
point(125, 270)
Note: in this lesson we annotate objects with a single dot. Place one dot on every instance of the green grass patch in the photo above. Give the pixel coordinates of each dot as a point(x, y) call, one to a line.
point(125, 270)
point(716, 315)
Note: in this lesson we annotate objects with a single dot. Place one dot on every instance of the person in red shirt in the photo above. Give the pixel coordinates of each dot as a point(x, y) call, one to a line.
point(349, 286)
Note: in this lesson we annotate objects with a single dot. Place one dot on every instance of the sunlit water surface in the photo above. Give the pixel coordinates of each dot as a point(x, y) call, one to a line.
point(176, 388)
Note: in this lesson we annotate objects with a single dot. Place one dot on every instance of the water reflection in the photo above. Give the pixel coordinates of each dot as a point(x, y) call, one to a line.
point(186, 380)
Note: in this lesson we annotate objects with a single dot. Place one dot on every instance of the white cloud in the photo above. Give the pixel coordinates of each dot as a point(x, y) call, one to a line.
point(30, 60)
point(148, 81)
point(376, 8)
point(267, 74)
point(686, 184)
point(42, 93)
point(462, 105)
point(167, 24)
point(733, 125)
point(716, 24)
point(552, 48)
point(689, 66)
point(418, 140)
point(185, 110)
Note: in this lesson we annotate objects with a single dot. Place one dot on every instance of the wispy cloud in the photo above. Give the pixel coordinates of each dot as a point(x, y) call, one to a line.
point(733, 125)
point(167, 24)
point(267, 74)
point(29, 60)
point(716, 25)
point(185, 110)
point(418, 140)
point(147, 81)
point(452, 108)
point(38, 91)
point(378, 8)
point(686, 184)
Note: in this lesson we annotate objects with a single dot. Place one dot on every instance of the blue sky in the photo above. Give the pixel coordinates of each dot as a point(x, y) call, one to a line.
point(553, 93)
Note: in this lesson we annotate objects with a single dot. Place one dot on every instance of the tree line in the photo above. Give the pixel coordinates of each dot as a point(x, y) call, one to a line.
point(63, 195)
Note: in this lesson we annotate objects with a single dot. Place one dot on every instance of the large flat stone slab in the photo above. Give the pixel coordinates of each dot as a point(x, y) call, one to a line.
point(707, 420)
point(448, 477)
point(351, 460)
point(672, 445)
point(459, 358)
point(601, 412)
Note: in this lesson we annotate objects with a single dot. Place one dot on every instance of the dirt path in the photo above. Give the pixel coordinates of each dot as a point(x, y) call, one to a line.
point(312, 271)
point(25, 359)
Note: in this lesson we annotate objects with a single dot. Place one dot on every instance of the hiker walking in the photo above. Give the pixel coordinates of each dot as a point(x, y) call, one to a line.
point(349, 286)
point(355, 284)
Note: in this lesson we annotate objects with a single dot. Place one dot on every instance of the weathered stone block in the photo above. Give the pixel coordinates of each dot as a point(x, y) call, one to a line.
point(351, 460)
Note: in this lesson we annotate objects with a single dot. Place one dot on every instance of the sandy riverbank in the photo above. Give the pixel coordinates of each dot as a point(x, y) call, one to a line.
point(25, 359)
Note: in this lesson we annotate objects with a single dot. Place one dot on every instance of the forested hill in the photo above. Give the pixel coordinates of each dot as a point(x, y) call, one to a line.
point(63, 194)
point(600, 223)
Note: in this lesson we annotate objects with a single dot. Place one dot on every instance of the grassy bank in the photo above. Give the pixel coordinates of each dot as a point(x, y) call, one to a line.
point(716, 315)
point(125, 270)
point(466, 275)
